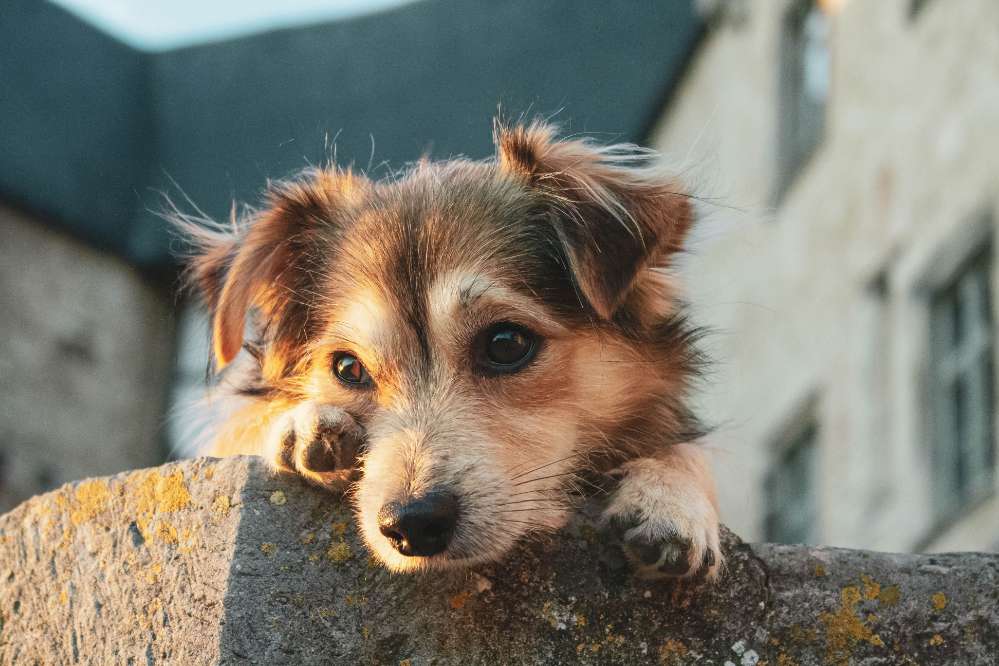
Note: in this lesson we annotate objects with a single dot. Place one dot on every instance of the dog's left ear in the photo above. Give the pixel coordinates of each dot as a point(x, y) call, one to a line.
point(269, 266)
point(618, 216)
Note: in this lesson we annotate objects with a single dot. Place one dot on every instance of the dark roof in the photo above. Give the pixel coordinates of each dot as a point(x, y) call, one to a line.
point(90, 128)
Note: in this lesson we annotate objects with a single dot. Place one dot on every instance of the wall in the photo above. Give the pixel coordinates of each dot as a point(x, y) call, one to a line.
point(84, 365)
point(820, 303)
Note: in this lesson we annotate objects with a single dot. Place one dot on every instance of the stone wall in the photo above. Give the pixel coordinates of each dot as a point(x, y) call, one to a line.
point(223, 562)
point(85, 361)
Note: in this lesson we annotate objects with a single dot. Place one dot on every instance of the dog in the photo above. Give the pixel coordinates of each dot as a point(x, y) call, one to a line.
point(468, 347)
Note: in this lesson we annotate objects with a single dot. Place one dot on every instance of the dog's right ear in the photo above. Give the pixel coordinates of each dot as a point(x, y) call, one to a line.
point(620, 218)
point(265, 264)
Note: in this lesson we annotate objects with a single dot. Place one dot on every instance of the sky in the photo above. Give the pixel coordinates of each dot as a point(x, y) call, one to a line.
point(158, 25)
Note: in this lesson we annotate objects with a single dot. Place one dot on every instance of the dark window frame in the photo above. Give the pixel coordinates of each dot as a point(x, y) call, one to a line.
point(801, 120)
point(916, 8)
point(793, 477)
point(962, 374)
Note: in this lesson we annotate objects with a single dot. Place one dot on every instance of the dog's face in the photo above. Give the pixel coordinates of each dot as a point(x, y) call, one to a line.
point(493, 326)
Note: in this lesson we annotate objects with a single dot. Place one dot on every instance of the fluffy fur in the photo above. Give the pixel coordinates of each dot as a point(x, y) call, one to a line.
point(568, 239)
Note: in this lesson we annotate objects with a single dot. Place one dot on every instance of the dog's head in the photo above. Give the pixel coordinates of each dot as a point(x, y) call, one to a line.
point(494, 327)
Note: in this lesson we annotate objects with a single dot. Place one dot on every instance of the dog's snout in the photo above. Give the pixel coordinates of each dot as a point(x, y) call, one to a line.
point(421, 526)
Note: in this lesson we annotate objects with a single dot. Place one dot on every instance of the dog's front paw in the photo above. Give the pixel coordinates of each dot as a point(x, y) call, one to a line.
point(669, 531)
point(666, 551)
point(319, 442)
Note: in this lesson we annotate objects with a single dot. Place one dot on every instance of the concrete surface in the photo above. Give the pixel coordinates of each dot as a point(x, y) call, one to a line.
point(222, 562)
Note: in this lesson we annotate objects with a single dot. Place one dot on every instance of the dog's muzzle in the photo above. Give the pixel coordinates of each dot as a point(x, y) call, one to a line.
point(420, 526)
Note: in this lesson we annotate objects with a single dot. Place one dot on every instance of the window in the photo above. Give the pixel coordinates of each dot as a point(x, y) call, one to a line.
point(792, 507)
point(962, 384)
point(804, 88)
point(916, 6)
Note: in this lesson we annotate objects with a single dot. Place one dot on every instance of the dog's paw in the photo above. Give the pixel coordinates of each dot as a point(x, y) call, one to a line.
point(674, 537)
point(319, 442)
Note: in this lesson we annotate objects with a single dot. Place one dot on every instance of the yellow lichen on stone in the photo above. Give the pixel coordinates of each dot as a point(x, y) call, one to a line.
point(268, 548)
point(672, 652)
point(278, 498)
point(339, 552)
point(820, 570)
point(166, 532)
point(339, 528)
point(458, 601)
point(155, 494)
point(872, 589)
point(548, 613)
point(209, 473)
point(89, 499)
point(171, 493)
point(844, 628)
point(889, 595)
point(307, 538)
point(802, 635)
point(152, 609)
point(936, 640)
point(64, 597)
point(939, 600)
point(153, 573)
point(784, 660)
point(221, 506)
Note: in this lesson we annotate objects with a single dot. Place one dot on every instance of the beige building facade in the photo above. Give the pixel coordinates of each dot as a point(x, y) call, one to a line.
point(848, 156)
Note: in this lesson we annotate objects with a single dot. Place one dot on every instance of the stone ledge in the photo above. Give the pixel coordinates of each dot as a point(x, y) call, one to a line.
point(222, 562)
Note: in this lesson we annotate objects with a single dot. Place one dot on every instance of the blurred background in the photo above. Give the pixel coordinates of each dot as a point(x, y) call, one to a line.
point(846, 153)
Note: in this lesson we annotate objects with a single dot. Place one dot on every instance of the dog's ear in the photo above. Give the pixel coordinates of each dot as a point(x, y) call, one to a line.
point(267, 264)
point(617, 214)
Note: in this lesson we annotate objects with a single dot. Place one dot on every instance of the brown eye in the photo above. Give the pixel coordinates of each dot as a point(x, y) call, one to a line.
point(349, 370)
point(505, 348)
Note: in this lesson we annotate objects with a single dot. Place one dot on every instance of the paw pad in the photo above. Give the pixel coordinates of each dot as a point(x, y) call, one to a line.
point(658, 557)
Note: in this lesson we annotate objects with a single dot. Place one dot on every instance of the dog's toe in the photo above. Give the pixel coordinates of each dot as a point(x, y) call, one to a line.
point(663, 550)
point(659, 558)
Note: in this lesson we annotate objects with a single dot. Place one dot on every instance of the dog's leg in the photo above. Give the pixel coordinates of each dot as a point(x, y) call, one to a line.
point(319, 442)
point(666, 514)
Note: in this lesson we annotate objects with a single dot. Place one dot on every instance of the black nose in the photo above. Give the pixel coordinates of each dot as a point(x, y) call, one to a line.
point(421, 526)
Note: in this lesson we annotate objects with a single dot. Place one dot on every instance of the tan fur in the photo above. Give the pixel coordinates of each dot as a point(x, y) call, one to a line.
point(672, 491)
point(568, 240)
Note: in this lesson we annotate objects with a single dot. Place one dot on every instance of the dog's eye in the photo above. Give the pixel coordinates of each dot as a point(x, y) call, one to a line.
point(506, 348)
point(349, 370)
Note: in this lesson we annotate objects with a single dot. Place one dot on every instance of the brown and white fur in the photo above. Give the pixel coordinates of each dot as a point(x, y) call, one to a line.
point(570, 242)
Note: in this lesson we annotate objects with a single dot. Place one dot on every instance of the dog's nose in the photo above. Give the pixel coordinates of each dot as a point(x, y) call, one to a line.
point(420, 526)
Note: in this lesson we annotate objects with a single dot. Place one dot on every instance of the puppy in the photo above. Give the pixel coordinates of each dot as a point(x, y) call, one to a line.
point(468, 347)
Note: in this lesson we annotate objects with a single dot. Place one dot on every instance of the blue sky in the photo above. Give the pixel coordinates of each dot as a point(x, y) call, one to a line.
point(156, 25)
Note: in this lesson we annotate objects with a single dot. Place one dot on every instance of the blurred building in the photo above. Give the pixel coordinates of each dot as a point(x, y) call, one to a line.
point(848, 153)
point(84, 364)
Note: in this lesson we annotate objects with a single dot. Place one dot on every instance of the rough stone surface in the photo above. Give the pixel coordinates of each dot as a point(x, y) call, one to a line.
point(222, 562)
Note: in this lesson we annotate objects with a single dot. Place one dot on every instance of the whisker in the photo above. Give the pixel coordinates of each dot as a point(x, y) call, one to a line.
point(538, 499)
point(529, 523)
point(551, 476)
point(540, 467)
